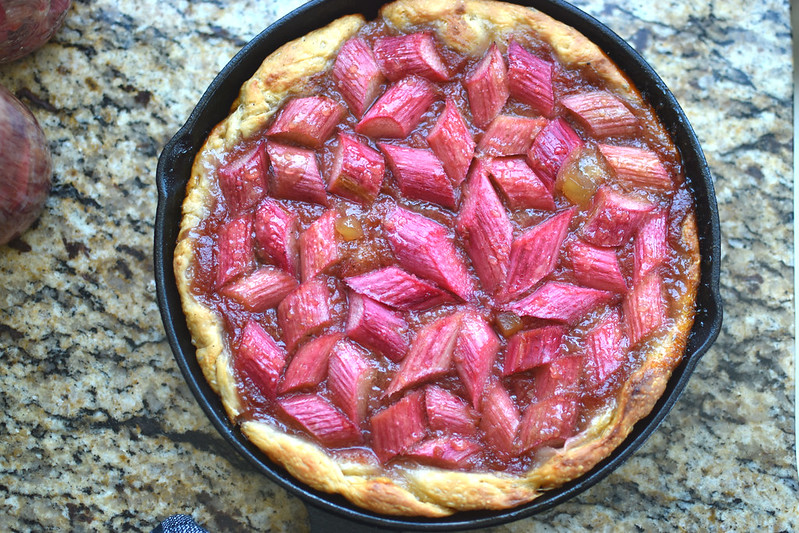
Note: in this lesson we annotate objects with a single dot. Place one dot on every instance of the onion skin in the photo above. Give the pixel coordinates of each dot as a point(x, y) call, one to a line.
point(25, 25)
point(26, 168)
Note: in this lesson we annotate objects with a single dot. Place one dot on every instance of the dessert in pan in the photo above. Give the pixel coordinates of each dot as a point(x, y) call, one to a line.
point(439, 261)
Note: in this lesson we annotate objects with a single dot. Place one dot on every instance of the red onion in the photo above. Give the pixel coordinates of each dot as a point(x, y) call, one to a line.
point(26, 168)
point(25, 25)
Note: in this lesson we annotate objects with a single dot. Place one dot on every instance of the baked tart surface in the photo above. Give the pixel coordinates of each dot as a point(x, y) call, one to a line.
point(439, 261)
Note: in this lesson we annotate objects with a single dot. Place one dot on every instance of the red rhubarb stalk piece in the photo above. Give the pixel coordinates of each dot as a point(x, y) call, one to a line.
point(377, 327)
point(321, 420)
point(357, 172)
point(276, 235)
point(261, 290)
point(420, 174)
point(430, 355)
point(613, 217)
point(534, 254)
point(399, 110)
point(564, 302)
point(487, 87)
point(305, 311)
point(523, 188)
point(601, 113)
point(319, 245)
point(500, 420)
point(308, 121)
point(448, 413)
point(510, 135)
point(485, 229)
point(350, 380)
point(552, 147)
point(548, 423)
point(243, 180)
point(561, 376)
point(636, 167)
point(645, 307)
point(397, 427)
point(605, 346)
point(446, 452)
point(424, 248)
point(295, 174)
point(452, 143)
point(414, 53)
point(396, 288)
point(475, 353)
point(596, 267)
point(357, 75)
point(530, 79)
point(259, 359)
point(651, 248)
point(308, 367)
point(235, 254)
point(533, 347)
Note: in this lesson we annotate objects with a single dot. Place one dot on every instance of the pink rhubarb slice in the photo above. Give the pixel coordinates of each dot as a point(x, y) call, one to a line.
point(613, 217)
point(596, 267)
point(552, 147)
point(645, 307)
point(420, 174)
point(235, 255)
point(452, 142)
point(414, 53)
point(650, 246)
point(243, 179)
point(601, 113)
point(357, 75)
point(605, 346)
point(523, 188)
point(295, 174)
point(308, 121)
point(549, 422)
point(533, 347)
point(397, 427)
point(564, 302)
point(261, 290)
point(448, 413)
point(321, 420)
point(357, 172)
point(510, 135)
point(530, 79)
point(500, 420)
point(396, 288)
point(377, 327)
point(636, 167)
point(399, 110)
point(561, 376)
point(475, 353)
point(487, 87)
point(350, 380)
point(319, 245)
point(260, 359)
point(308, 367)
point(276, 235)
point(305, 311)
point(446, 452)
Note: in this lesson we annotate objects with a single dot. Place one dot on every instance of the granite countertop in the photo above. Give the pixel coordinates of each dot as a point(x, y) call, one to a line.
point(98, 429)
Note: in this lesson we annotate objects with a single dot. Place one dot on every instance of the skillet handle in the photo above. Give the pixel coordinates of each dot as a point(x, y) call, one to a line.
point(324, 522)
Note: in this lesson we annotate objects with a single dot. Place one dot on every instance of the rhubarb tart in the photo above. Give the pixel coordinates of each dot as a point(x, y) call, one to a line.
point(439, 261)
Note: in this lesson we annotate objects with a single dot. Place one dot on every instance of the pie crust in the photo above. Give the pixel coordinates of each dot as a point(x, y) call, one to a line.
point(468, 27)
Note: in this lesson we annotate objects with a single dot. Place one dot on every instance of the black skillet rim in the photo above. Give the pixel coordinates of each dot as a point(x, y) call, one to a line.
point(173, 172)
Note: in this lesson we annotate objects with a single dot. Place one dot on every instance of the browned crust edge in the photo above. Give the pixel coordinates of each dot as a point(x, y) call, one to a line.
point(467, 26)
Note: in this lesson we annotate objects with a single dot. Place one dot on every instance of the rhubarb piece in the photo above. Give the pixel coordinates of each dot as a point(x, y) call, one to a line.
point(321, 420)
point(308, 367)
point(261, 290)
point(485, 229)
point(613, 217)
point(475, 353)
point(423, 247)
point(581, 175)
point(452, 143)
point(533, 347)
point(510, 135)
point(357, 172)
point(430, 355)
point(552, 147)
point(319, 246)
point(446, 452)
point(508, 323)
point(259, 359)
point(449, 413)
point(396, 288)
point(601, 113)
point(399, 110)
point(636, 167)
point(415, 53)
point(308, 121)
point(349, 227)
point(596, 267)
point(350, 380)
point(357, 75)
point(296, 174)
point(605, 346)
point(534, 254)
point(644, 307)
point(564, 302)
point(523, 188)
point(235, 254)
point(487, 87)
point(276, 235)
point(500, 421)
point(651, 248)
point(548, 423)
point(561, 376)
point(420, 174)
point(305, 311)
point(530, 79)
point(243, 180)
point(377, 327)
point(397, 427)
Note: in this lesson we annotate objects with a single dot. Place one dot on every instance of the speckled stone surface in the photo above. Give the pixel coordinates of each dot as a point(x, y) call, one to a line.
point(99, 432)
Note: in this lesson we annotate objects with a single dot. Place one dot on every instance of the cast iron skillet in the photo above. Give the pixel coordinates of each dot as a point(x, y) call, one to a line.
point(332, 512)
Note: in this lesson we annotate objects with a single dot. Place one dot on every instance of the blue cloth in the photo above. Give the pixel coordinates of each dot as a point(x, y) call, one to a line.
point(179, 523)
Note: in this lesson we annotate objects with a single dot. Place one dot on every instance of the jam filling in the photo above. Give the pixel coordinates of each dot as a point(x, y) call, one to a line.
point(439, 259)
